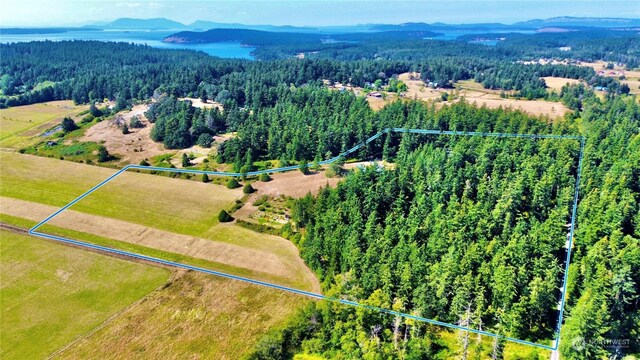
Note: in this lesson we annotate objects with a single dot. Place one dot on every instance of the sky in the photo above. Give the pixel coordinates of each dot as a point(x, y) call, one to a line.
point(306, 12)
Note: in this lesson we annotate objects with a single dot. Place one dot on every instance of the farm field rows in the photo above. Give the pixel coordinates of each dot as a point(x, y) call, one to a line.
point(156, 215)
point(51, 293)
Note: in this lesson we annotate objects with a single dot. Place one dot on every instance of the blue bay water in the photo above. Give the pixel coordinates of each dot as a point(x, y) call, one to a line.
point(151, 38)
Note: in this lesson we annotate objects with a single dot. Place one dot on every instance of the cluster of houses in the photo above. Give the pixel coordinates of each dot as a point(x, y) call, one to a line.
point(610, 73)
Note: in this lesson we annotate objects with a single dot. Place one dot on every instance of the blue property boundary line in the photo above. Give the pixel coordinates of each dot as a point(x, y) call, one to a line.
point(33, 231)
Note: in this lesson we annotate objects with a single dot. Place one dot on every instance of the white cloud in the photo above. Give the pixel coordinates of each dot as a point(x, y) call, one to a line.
point(155, 5)
point(128, 4)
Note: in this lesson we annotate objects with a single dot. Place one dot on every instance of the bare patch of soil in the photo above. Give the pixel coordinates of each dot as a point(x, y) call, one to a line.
point(202, 105)
point(294, 184)
point(130, 148)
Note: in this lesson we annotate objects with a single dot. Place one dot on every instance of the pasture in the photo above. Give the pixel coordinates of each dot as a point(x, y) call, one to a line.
point(154, 215)
point(175, 205)
point(203, 316)
point(22, 124)
point(51, 293)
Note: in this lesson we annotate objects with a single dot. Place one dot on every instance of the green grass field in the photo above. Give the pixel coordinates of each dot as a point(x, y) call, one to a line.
point(51, 293)
point(186, 207)
point(20, 124)
point(196, 317)
point(174, 205)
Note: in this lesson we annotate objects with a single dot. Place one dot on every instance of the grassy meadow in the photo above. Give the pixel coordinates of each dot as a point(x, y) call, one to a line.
point(196, 316)
point(20, 124)
point(186, 207)
point(51, 293)
point(173, 205)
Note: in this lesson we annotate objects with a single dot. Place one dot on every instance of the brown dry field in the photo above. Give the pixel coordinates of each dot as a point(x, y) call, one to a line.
point(195, 316)
point(536, 107)
point(556, 83)
point(296, 184)
point(492, 99)
point(292, 183)
point(131, 148)
point(634, 85)
point(277, 256)
point(417, 89)
point(599, 65)
point(473, 93)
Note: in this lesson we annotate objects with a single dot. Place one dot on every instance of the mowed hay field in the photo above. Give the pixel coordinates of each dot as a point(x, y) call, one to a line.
point(474, 93)
point(196, 316)
point(21, 123)
point(556, 83)
point(148, 214)
point(187, 207)
point(51, 293)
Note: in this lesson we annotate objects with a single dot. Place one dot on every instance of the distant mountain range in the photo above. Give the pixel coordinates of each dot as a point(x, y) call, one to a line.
point(567, 21)
point(166, 24)
point(142, 24)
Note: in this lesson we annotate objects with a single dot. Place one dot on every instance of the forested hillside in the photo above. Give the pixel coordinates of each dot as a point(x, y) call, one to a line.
point(472, 231)
point(87, 71)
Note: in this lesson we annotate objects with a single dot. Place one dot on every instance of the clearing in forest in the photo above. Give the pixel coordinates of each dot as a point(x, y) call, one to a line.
point(556, 83)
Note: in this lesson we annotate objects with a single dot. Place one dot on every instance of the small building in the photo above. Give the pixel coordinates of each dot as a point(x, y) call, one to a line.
point(375, 94)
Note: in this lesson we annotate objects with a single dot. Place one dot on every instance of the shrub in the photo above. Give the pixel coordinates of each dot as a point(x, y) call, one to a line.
point(125, 129)
point(261, 200)
point(136, 123)
point(103, 154)
point(68, 124)
point(87, 119)
point(248, 189)
point(185, 160)
point(223, 96)
point(233, 184)
point(94, 110)
point(205, 178)
point(144, 162)
point(264, 177)
point(224, 216)
point(335, 169)
point(304, 168)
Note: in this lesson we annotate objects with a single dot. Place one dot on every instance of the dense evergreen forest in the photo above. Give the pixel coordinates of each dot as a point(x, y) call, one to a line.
point(467, 230)
point(472, 231)
point(90, 70)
